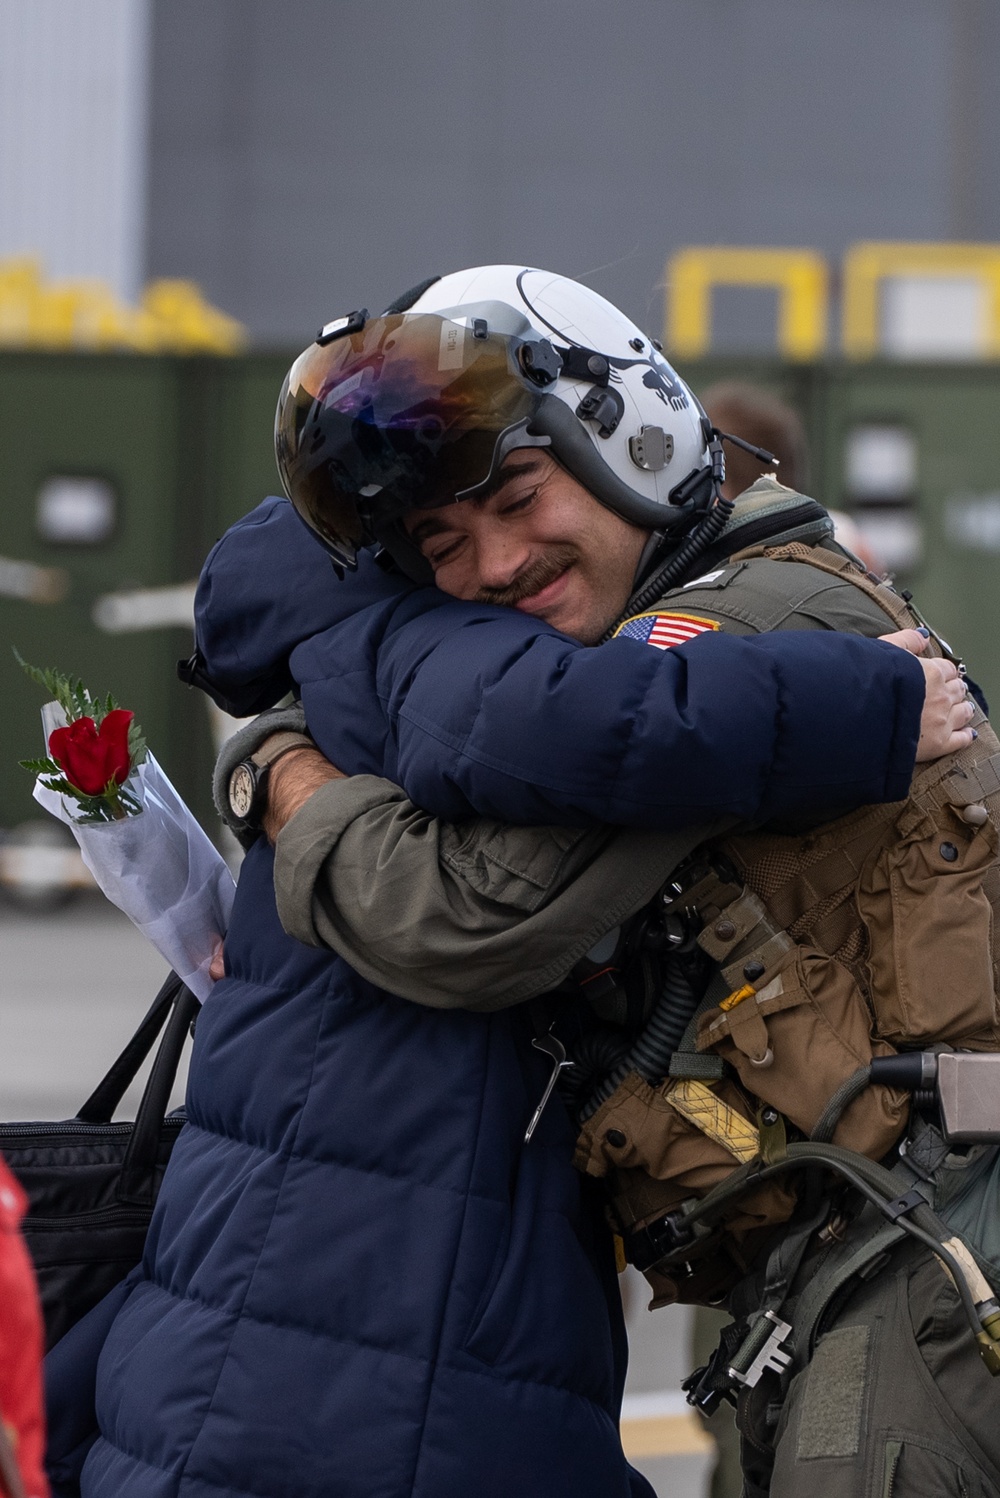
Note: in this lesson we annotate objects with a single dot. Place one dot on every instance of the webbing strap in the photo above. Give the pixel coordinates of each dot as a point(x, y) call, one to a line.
point(830, 562)
point(842, 1265)
point(839, 867)
point(986, 776)
point(786, 1257)
point(745, 931)
point(837, 927)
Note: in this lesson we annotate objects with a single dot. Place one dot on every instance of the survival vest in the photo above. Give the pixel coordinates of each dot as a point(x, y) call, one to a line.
point(830, 945)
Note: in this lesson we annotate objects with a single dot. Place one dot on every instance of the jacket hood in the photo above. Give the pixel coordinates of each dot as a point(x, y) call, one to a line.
point(265, 587)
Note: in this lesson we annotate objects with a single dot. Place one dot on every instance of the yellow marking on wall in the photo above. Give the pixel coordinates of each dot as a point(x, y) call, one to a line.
point(868, 264)
point(666, 1435)
point(696, 1102)
point(800, 277)
point(173, 316)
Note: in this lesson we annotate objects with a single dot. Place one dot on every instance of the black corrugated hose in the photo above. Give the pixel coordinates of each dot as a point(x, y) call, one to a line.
point(662, 1034)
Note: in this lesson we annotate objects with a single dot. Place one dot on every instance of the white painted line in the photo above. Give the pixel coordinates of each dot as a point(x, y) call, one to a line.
point(662, 1424)
point(146, 608)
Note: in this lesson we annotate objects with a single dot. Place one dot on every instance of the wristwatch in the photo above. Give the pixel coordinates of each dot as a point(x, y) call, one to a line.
point(247, 790)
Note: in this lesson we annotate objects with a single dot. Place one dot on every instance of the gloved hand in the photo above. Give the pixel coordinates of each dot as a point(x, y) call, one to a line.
point(244, 743)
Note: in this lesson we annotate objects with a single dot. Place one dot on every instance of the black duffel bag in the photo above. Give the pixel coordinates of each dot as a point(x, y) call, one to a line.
point(91, 1183)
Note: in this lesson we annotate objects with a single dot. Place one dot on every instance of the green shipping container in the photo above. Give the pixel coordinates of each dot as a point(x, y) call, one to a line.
point(912, 453)
point(122, 470)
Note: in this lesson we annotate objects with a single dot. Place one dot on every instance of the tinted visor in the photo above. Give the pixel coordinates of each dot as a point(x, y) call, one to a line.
point(407, 412)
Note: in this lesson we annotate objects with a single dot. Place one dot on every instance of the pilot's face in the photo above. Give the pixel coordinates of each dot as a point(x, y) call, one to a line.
point(537, 541)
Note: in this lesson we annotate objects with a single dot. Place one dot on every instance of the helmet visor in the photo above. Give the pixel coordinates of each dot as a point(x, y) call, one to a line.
point(407, 412)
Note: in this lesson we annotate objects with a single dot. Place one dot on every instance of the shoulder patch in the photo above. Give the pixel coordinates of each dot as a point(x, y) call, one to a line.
point(664, 629)
point(719, 578)
point(709, 577)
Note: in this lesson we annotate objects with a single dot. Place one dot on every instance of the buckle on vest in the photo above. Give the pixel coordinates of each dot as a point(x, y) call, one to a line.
point(762, 1351)
point(659, 1239)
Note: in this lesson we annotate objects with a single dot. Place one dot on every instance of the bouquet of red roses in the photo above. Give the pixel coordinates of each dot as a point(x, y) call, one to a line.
point(92, 756)
point(136, 835)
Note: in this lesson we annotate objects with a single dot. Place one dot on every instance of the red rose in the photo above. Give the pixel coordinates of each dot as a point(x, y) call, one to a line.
point(89, 756)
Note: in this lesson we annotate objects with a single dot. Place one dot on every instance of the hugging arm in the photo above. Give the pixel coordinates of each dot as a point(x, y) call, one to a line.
point(478, 915)
point(477, 709)
point(491, 713)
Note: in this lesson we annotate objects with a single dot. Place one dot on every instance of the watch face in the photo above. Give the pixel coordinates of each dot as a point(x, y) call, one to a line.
point(241, 785)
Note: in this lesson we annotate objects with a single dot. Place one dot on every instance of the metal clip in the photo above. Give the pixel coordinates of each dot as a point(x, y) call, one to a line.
point(554, 1048)
point(764, 1356)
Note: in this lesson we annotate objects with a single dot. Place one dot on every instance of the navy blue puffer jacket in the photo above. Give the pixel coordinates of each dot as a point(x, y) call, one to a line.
point(359, 1283)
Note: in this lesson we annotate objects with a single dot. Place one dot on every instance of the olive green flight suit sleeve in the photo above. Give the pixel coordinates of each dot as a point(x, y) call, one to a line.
point(479, 915)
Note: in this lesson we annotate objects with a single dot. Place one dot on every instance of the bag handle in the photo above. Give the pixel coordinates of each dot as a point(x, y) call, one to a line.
point(137, 1182)
point(100, 1106)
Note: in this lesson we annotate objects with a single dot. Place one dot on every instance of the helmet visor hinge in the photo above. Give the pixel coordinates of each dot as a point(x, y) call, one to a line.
point(540, 362)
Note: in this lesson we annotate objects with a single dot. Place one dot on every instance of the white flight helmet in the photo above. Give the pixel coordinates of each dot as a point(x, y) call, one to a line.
point(420, 406)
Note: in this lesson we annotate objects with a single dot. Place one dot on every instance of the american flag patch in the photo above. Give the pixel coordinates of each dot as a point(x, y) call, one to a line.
point(664, 630)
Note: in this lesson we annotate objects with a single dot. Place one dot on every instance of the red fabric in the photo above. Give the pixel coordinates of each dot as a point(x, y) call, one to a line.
point(21, 1342)
point(89, 756)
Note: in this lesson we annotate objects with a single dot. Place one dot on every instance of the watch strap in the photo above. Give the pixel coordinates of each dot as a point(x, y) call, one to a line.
point(279, 744)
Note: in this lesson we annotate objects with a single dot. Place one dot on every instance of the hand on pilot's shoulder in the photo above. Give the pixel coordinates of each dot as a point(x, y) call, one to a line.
point(948, 710)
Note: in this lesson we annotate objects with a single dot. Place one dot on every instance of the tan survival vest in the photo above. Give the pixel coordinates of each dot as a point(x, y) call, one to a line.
point(857, 938)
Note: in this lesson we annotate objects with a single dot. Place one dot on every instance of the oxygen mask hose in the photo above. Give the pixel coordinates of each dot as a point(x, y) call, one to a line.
point(661, 1035)
point(676, 568)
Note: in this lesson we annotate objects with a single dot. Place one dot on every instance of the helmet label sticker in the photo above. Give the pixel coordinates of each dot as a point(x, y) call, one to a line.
point(664, 630)
point(452, 351)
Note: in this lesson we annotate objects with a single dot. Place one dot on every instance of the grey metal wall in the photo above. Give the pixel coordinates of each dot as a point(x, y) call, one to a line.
point(308, 156)
point(73, 110)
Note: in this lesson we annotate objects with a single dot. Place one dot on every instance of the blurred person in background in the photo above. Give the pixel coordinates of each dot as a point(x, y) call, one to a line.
point(762, 419)
point(22, 1433)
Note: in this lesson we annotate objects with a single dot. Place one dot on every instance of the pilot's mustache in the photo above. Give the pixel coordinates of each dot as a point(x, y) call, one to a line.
point(536, 576)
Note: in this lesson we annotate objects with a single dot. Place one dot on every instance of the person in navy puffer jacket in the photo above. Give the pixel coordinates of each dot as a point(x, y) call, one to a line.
point(358, 1282)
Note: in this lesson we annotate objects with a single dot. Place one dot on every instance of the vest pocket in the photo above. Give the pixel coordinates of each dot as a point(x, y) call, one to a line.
point(793, 1042)
point(911, 1469)
point(930, 927)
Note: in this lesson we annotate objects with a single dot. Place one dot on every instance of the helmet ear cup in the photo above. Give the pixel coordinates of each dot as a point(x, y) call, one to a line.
point(572, 445)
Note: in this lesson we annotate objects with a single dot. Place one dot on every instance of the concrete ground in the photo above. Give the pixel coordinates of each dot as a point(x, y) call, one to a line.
point(75, 984)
